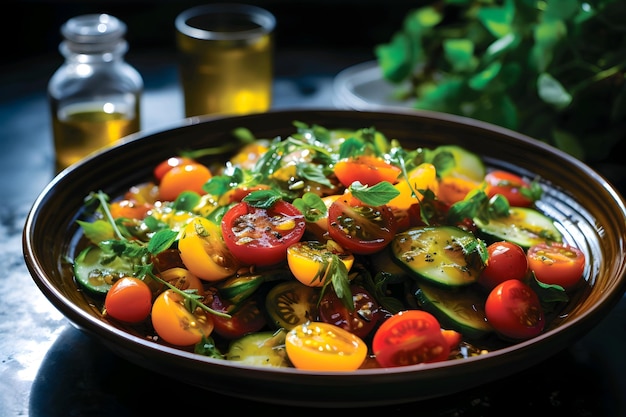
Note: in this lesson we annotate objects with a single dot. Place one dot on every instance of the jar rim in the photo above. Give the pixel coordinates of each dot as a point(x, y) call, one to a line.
point(93, 28)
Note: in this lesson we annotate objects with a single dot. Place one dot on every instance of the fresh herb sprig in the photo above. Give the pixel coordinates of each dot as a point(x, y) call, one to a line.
point(135, 252)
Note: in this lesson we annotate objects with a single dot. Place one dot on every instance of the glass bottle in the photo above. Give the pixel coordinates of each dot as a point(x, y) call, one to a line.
point(95, 95)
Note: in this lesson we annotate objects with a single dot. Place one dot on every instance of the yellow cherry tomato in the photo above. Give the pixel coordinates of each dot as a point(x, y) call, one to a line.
point(250, 154)
point(203, 251)
point(318, 346)
point(310, 261)
point(182, 279)
point(175, 324)
point(422, 177)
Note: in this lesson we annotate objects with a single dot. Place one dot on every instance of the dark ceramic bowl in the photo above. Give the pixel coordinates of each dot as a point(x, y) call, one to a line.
point(588, 210)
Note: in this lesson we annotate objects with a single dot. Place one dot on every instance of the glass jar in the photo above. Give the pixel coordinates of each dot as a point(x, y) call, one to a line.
point(95, 95)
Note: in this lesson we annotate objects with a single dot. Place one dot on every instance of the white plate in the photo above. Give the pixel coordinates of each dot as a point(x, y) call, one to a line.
point(362, 87)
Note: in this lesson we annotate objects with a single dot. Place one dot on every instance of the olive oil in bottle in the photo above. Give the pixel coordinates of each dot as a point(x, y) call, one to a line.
point(95, 95)
point(84, 128)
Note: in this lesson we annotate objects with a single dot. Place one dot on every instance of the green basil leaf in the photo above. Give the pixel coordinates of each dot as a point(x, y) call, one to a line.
point(262, 198)
point(376, 195)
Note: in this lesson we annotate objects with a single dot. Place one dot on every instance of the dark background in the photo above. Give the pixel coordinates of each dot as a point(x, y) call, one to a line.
point(31, 28)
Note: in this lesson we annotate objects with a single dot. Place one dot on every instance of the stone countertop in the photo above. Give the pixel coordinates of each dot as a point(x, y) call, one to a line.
point(48, 368)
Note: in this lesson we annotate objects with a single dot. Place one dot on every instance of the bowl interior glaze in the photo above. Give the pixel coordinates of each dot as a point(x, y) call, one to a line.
point(587, 209)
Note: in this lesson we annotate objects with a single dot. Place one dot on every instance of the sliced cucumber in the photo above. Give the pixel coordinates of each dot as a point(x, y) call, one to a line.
point(445, 255)
point(384, 262)
point(260, 349)
point(95, 275)
point(462, 310)
point(524, 226)
point(466, 164)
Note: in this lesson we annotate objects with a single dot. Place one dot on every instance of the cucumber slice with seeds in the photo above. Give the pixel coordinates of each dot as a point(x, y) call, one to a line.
point(524, 226)
point(445, 255)
point(462, 310)
point(97, 277)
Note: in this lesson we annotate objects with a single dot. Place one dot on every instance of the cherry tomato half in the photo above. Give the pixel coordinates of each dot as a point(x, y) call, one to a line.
point(510, 186)
point(557, 264)
point(367, 169)
point(175, 324)
point(514, 310)
point(182, 279)
point(322, 346)
point(129, 209)
point(260, 236)
point(129, 300)
point(422, 177)
point(290, 303)
point(454, 189)
point(204, 252)
point(245, 317)
point(506, 261)
point(359, 228)
point(309, 261)
point(360, 321)
point(187, 177)
point(410, 337)
point(169, 163)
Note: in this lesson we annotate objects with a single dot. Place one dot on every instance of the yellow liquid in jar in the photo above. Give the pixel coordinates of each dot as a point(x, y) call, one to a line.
point(82, 129)
point(226, 77)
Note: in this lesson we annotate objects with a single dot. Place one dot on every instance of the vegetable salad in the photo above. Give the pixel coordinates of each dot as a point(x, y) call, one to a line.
point(328, 249)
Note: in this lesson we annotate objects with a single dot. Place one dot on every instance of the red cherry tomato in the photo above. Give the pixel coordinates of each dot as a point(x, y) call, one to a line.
point(410, 337)
point(260, 236)
point(453, 338)
point(245, 317)
point(129, 300)
point(359, 228)
point(557, 264)
point(169, 163)
point(367, 169)
point(514, 310)
point(454, 189)
point(506, 261)
point(360, 321)
point(187, 177)
point(510, 186)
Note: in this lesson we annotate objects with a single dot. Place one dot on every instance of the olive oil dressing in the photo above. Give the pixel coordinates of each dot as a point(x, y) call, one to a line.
point(95, 95)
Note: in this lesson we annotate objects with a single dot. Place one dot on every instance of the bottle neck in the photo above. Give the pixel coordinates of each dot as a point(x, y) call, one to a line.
point(93, 52)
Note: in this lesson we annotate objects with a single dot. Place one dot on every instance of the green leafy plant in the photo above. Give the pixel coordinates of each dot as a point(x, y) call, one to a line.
point(551, 69)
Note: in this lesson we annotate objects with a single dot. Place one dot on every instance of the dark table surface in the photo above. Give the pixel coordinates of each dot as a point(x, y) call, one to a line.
point(48, 368)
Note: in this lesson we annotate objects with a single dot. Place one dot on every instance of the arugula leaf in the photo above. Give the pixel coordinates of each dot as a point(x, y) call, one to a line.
point(338, 274)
